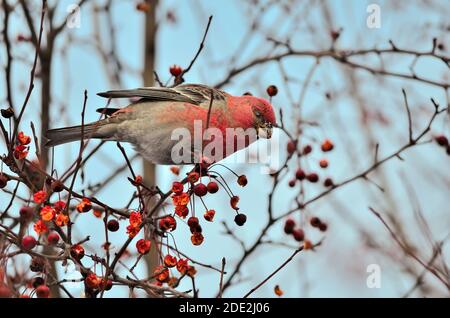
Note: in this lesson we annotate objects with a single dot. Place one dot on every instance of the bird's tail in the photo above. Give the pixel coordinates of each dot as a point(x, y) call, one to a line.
point(64, 135)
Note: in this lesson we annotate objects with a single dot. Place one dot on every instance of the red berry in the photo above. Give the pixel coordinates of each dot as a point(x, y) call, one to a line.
point(242, 180)
point(315, 221)
point(192, 221)
point(292, 183)
point(175, 70)
point(212, 187)
point(196, 229)
point(300, 174)
point(327, 145)
point(323, 163)
point(312, 177)
point(77, 251)
point(3, 180)
point(240, 219)
point(53, 238)
point(200, 189)
point(43, 291)
point(26, 214)
point(113, 225)
point(298, 234)
point(106, 284)
point(193, 177)
point(307, 149)
point(93, 281)
point(291, 147)
point(28, 242)
point(272, 90)
point(441, 140)
point(289, 226)
point(328, 182)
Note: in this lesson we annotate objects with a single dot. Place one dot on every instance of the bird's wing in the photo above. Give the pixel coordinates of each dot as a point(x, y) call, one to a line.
point(190, 93)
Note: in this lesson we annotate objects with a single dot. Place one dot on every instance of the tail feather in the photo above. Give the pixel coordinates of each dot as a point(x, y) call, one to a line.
point(64, 135)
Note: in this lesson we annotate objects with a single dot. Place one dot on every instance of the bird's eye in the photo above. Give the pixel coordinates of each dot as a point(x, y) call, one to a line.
point(258, 113)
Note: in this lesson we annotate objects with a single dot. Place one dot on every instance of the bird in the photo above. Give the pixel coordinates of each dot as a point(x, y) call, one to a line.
point(156, 113)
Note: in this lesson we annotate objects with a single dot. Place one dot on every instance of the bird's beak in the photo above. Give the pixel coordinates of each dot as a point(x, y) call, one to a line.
point(265, 130)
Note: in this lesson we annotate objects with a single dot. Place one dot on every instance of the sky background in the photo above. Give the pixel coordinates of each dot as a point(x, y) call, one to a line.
point(338, 267)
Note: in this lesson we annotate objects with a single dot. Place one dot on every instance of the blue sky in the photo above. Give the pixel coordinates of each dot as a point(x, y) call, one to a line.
point(338, 268)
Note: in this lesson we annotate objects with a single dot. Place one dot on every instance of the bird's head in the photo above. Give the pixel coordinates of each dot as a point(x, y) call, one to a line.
point(253, 112)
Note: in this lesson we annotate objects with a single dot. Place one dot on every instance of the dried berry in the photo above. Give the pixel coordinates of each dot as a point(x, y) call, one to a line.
point(182, 211)
point(8, 112)
point(177, 187)
point(93, 281)
point(234, 201)
point(323, 227)
point(37, 264)
point(209, 215)
point(170, 261)
point(168, 223)
point(328, 182)
point(84, 206)
point(197, 238)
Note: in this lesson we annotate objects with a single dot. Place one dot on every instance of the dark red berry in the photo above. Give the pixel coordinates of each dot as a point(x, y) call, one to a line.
point(292, 183)
point(242, 180)
point(113, 225)
point(3, 180)
point(200, 189)
point(298, 235)
point(312, 177)
point(441, 140)
point(77, 251)
point(289, 226)
point(240, 219)
point(291, 147)
point(327, 145)
point(272, 90)
point(328, 182)
point(323, 227)
point(315, 221)
point(37, 264)
point(192, 221)
point(307, 149)
point(57, 186)
point(212, 187)
point(300, 174)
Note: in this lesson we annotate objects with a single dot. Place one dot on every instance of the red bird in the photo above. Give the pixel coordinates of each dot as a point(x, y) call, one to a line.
point(150, 122)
